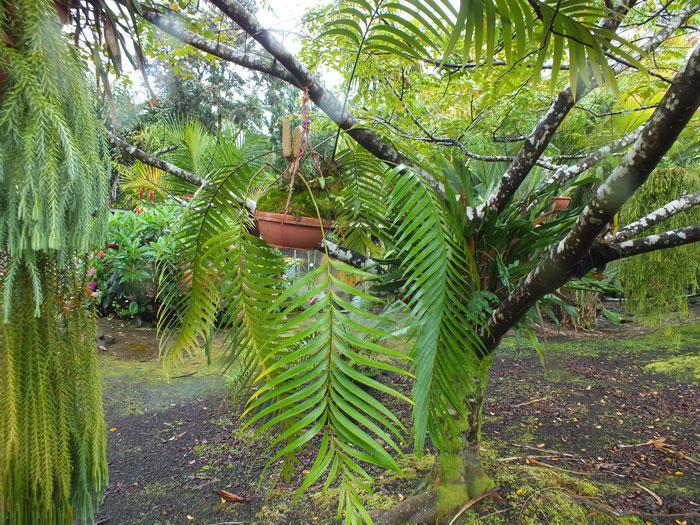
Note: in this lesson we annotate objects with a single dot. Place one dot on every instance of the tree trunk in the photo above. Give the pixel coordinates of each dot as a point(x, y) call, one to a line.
point(459, 475)
point(475, 479)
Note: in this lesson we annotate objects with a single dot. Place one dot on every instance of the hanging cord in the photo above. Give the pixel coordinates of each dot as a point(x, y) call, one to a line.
point(306, 146)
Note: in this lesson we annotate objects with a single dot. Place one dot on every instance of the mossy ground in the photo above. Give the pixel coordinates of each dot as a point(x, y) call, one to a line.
point(554, 438)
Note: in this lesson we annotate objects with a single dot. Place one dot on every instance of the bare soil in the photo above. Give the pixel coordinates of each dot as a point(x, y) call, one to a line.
point(594, 426)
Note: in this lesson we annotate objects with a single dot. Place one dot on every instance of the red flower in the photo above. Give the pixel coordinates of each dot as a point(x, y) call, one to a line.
point(138, 211)
point(141, 193)
point(189, 195)
point(150, 195)
point(100, 254)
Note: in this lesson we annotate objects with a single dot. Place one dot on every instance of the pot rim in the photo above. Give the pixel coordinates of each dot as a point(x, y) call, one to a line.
point(290, 219)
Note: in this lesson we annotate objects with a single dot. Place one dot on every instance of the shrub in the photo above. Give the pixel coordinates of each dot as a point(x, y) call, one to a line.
point(123, 274)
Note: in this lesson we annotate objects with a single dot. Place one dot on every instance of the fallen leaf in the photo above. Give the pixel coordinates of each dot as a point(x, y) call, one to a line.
point(190, 517)
point(229, 495)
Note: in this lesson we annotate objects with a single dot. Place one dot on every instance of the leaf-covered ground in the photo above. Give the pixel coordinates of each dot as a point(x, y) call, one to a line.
point(608, 432)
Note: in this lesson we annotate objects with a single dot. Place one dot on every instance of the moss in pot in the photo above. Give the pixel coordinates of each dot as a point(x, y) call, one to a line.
point(289, 209)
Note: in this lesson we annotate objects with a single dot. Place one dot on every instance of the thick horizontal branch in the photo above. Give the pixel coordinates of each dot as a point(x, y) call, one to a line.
point(601, 254)
point(669, 239)
point(151, 160)
point(668, 210)
point(658, 134)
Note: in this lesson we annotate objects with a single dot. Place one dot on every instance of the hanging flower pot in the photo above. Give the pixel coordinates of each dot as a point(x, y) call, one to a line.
point(289, 209)
point(286, 231)
point(561, 202)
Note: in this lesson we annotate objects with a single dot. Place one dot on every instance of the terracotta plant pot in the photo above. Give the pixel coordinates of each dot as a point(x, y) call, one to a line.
point(561, 202)
point(284, 231)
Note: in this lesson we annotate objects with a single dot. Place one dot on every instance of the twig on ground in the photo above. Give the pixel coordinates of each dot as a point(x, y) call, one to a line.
point(473, 501)
point(546, 450)
point(515, 458)
point(654, 495)
point(184, 375)
point(530, 402)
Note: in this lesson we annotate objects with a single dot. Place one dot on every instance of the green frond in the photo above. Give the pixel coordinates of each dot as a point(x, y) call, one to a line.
point(363, 200)
point(314, 383)
point(53, 153)
point(436, 268)
point(478, 31)
point(53, 463)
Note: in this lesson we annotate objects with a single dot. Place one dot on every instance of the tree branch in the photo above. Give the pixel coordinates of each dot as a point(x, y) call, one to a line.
point(566, 173)
point(153, 161)
point(319, 94)
point(669, 239)
point(667, 210)
point(172, 25)
point(601, 254)
point(661, 130)
point(538, 140)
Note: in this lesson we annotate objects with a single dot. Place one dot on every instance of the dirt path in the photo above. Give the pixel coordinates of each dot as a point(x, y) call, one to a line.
point(597, 430)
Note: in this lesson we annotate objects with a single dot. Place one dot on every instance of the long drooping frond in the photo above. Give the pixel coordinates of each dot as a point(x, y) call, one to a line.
point(364, 199)
point(54, 172)
point(52, 154)
point(436, 267)
point(315, 383)
point(52, 434)
point(312, 366)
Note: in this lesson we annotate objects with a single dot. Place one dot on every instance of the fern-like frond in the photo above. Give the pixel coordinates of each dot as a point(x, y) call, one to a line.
point(54, 161)
point(363, 199)
point(436, 268)
point(314, 384)
point(478, 32)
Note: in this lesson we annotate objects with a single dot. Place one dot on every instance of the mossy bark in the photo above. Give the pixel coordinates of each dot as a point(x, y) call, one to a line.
point(458, 476)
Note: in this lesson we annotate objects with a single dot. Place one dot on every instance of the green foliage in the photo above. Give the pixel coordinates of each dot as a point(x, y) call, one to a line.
point(52, 154)
point(125, 270)
point(309, 369)
point(658, 283)
point(480, 31)
point(53, 167)
point(53, 463)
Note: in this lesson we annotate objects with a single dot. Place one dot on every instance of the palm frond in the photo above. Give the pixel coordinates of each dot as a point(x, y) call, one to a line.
point(364, 199)
point(477, 32)
point(436, 266)
point(315, 386)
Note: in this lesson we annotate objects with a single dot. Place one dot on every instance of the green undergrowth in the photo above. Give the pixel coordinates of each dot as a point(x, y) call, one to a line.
point(532, 494)
point(685, 368)
point(671, 340)
point(535, 495)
